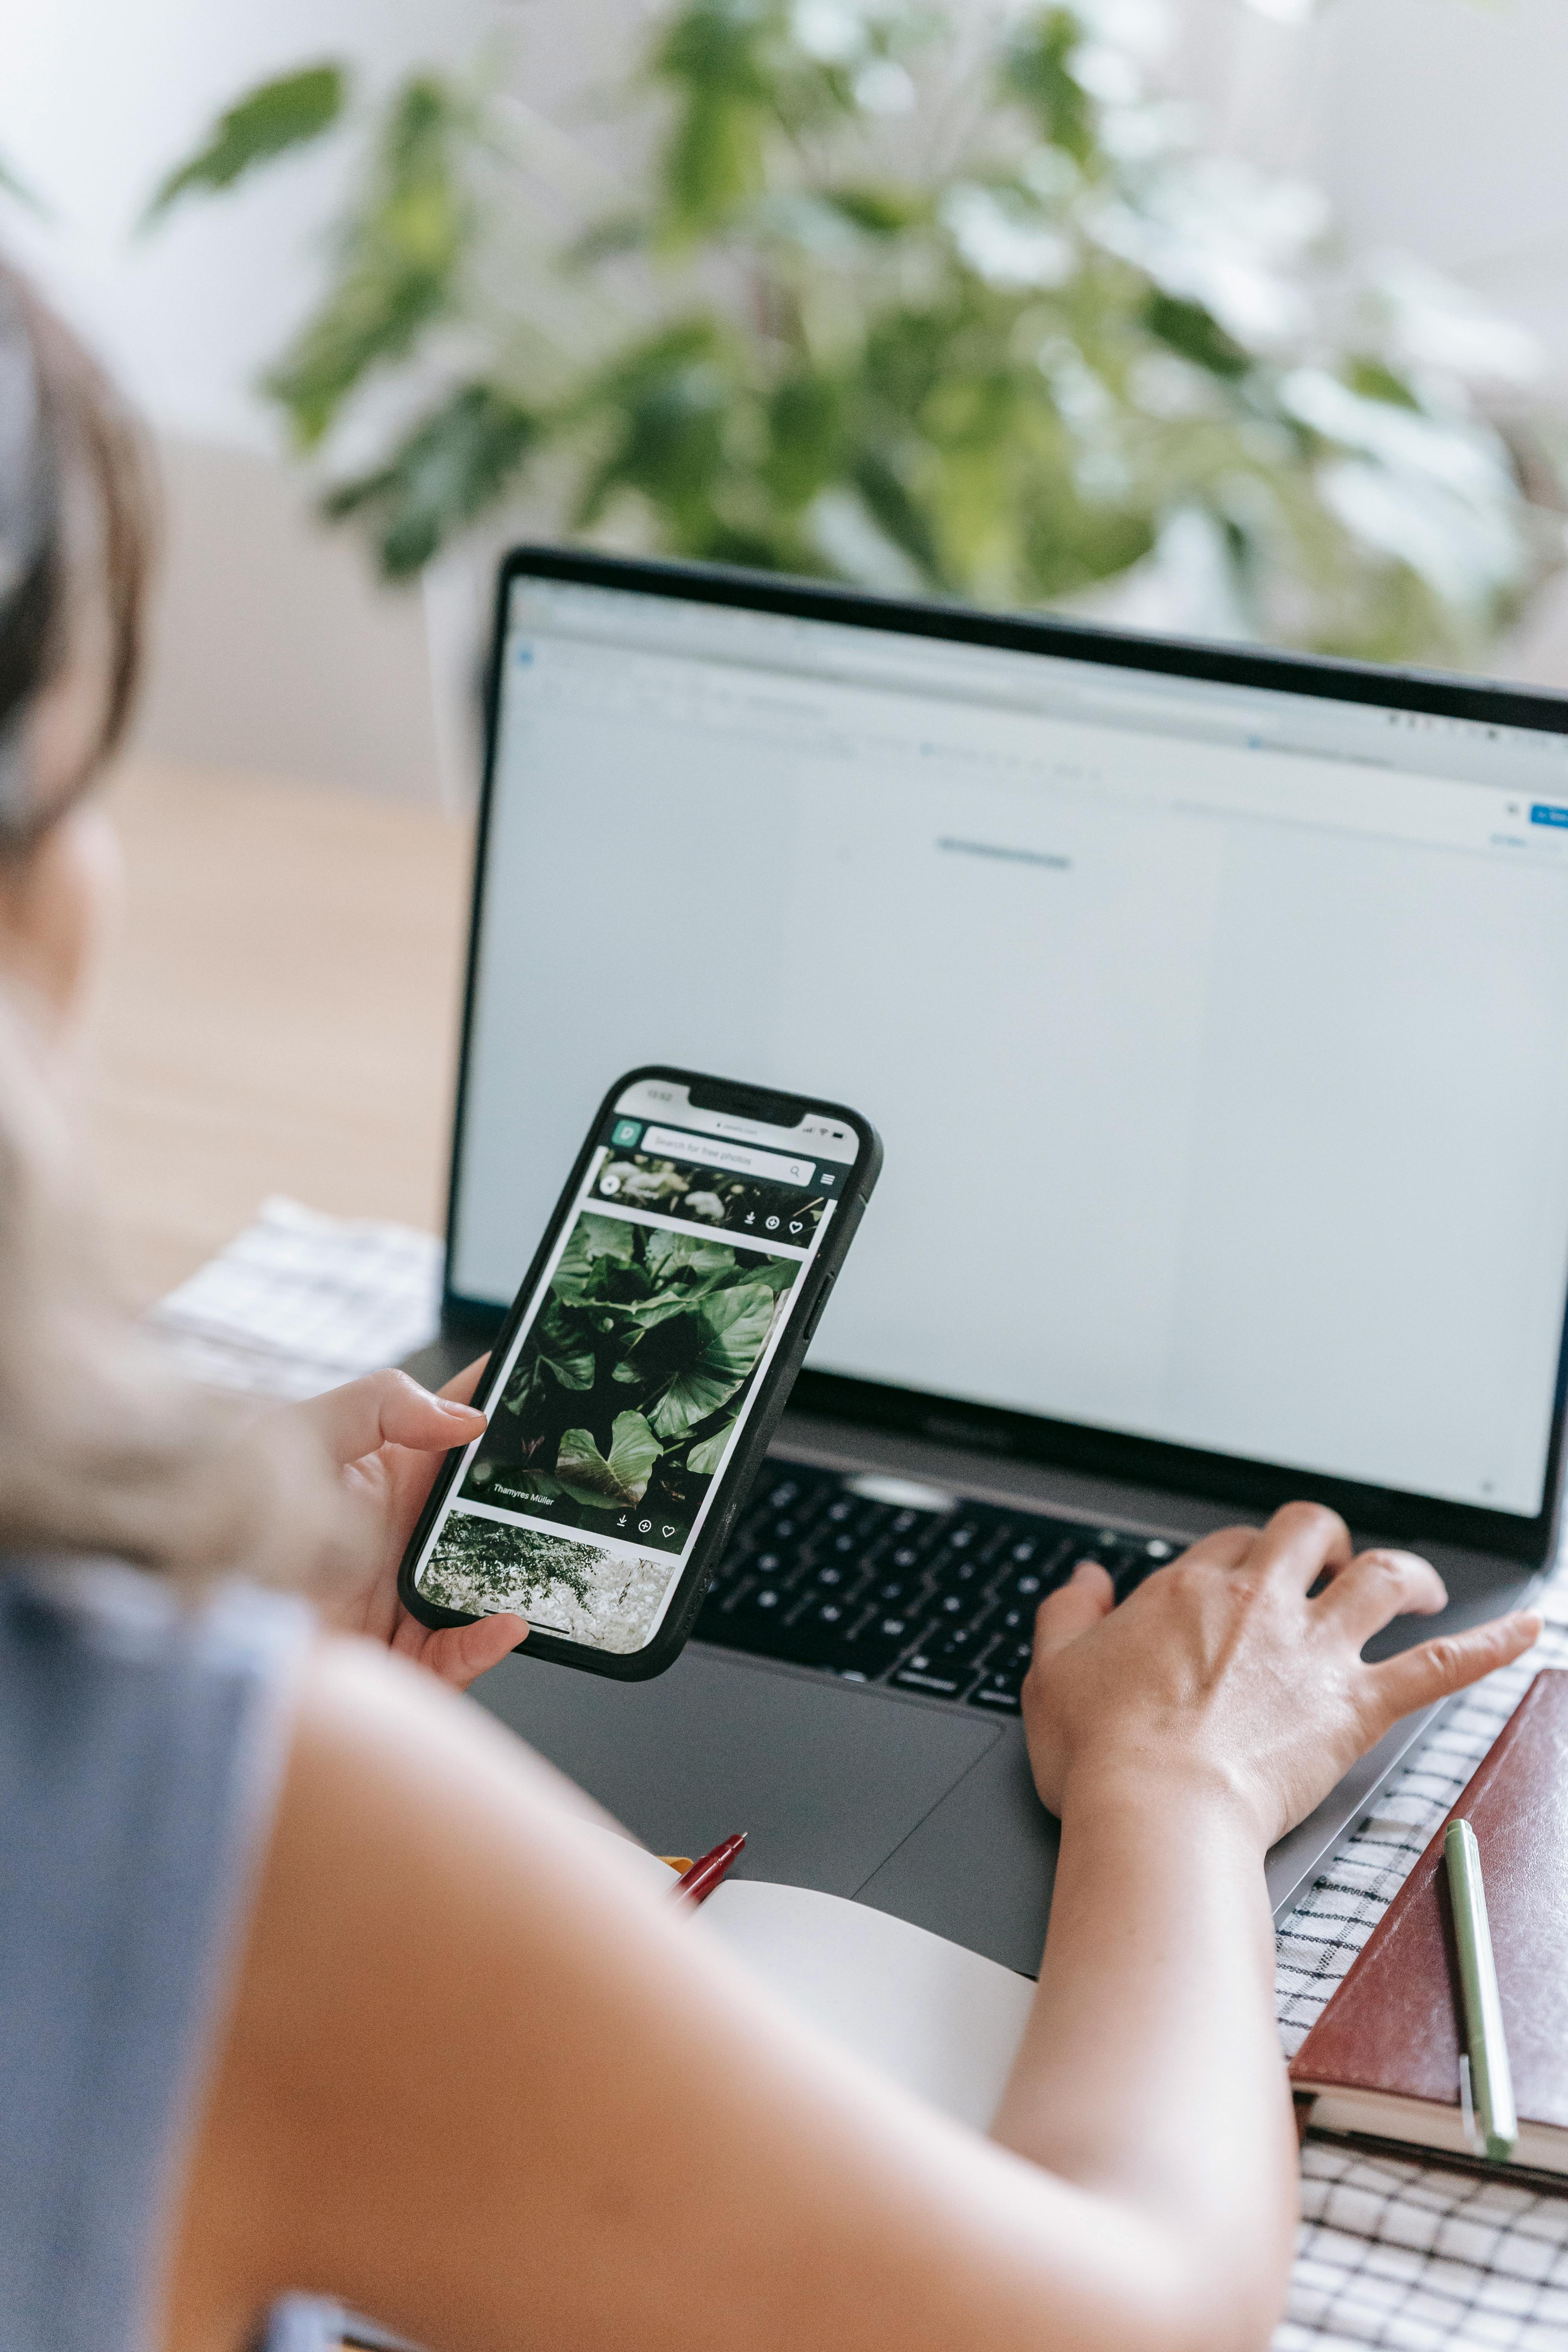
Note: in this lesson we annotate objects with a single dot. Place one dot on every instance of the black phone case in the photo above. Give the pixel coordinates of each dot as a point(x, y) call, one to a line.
point(735, 1483)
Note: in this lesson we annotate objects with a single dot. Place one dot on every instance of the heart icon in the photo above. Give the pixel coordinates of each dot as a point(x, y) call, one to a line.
point(669, 1532)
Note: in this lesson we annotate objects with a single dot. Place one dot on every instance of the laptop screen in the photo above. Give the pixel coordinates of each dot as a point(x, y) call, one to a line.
point(1217, 1035)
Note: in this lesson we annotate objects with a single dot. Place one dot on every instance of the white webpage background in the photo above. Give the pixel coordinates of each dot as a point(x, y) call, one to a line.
point(1243, 1122)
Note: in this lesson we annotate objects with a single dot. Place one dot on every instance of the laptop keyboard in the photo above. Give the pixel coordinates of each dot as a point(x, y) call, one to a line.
point(940, 1602)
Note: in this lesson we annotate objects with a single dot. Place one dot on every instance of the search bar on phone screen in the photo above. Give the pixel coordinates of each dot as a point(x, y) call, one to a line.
point(739, 1159)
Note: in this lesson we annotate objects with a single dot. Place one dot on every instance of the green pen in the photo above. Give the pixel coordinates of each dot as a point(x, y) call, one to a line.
point(1491, 2082)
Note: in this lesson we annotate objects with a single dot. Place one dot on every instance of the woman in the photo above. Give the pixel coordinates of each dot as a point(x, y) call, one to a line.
point(317, 1985)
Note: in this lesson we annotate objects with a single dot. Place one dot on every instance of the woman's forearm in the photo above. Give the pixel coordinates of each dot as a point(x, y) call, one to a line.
point(1152, 2073)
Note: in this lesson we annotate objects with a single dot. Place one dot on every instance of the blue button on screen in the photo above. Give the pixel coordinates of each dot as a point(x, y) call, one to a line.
point(1547, 813)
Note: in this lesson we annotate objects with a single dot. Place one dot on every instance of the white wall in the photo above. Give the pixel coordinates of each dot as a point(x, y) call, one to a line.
point(1435, 126)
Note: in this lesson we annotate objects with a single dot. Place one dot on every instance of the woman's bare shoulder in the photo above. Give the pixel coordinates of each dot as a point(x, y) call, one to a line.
point(427, 1882)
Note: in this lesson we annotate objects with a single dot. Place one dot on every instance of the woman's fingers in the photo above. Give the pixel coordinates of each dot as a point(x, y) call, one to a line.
point(1378, 1586)
point(1436, 1669)
point(460, 1388)
point(1085, 1597)
point(459, 1655)
point(1227, 1548)
point(388, 1409)
point(1302, 1541)
point(1088, 1593)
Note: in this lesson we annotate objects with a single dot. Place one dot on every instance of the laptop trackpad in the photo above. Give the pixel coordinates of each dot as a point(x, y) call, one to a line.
point(827, 1779)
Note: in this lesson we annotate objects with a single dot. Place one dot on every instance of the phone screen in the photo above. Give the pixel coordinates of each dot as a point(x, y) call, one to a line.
point(624, 1392)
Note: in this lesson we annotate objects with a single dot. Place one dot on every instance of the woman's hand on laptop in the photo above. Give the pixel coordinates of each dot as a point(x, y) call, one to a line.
point(1177, 1736)
point(387, 1437)
point(1225, 1669)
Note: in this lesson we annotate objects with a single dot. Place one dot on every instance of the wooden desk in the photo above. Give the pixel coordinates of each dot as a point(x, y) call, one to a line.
point(280, 1013)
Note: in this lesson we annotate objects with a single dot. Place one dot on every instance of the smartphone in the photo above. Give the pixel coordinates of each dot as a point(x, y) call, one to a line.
point(643, 1368)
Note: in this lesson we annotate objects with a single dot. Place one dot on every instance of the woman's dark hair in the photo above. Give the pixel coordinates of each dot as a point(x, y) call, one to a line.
point(75, 523)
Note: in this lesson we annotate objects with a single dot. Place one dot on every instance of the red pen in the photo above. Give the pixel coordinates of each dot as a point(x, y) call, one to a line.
point(696, 1884)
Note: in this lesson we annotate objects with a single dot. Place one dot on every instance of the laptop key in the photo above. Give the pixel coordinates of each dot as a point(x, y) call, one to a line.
point(762, 1603)
point(951, 1606)
point(946, 1665)
point(877, 1644)
point(897, 1592)
point(1026, 1588)
point(921, 1674)
point(1001, 1691)
point(835, 1575)
point(817, 1633)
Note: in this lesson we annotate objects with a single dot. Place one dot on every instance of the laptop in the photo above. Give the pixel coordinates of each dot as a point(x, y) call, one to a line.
point(1212, 1006)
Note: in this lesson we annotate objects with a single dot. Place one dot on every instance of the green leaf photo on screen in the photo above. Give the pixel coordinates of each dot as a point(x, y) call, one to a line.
point(621, 1401)
point(937, 304)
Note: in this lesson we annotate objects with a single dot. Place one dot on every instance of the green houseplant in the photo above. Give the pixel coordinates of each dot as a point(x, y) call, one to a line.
point(885, 310)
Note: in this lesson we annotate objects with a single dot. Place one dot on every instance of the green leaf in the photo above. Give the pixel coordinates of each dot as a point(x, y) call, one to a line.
point(455, 464)
point(728, 1331)
point(880, 211)
point(704, 1459)
point(400, 260)
point(1374, 381)
point(713, 56)
point(275, 117)
point(668, 1252)
point(590, 1479)
point(1036, 69)
point(779, 1273)
point(593, 1237)
point(665, 1304)
point(805, 436)
point(713, 161)
point(750, 77)
point(569, 1372)
point(691, 1267)
point(1194, 332)
point(907, 521)
point(666, 403)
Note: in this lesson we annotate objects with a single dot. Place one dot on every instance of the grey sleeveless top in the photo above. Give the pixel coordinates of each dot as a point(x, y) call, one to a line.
point(141, 1748)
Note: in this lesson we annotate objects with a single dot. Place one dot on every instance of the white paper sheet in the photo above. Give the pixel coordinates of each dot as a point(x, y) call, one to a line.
point(944, 2022)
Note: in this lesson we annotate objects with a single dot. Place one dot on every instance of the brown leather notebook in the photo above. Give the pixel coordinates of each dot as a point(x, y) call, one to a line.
point(1384, 2058)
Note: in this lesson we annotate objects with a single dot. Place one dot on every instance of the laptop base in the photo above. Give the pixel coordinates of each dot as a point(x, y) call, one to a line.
point(911, 1804)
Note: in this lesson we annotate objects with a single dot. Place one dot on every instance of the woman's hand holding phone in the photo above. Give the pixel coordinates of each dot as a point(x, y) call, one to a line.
point(642, 1369)
point(388, 1438)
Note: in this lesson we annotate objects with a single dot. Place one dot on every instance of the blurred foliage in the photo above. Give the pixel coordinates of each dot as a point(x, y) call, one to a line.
point(889, 311)
point(273, 119)
point(454, 465)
